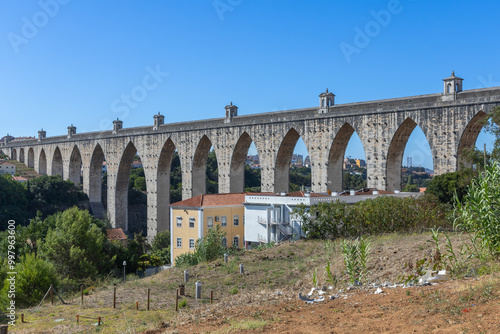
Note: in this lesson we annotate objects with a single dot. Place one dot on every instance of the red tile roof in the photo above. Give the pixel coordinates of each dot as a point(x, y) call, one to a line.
point(115, 234)
point(212, 200)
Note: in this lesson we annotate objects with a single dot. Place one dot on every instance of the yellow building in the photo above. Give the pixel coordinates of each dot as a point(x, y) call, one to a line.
point(226, 210)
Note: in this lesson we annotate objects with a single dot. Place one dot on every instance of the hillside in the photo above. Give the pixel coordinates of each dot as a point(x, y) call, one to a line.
point(265, 297)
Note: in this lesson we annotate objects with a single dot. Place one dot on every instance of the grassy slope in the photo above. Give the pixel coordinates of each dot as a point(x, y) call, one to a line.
point(274, 274)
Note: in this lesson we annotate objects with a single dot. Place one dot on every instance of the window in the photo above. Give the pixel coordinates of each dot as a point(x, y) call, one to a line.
point(236, 220)
point(223, 222)
point(191, 243)
point(224, 242)
point(236, 242)
point(179, 221)
point(191, 222)
point(210, 222)
point(179, 242)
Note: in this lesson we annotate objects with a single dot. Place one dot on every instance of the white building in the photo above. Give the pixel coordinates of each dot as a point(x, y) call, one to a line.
point(6, 167)
point(268, 217)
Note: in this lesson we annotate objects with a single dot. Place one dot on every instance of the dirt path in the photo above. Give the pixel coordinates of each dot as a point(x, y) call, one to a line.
point(465, 306)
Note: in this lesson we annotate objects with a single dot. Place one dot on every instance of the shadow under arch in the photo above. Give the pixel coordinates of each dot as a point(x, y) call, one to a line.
point(31, 158)
point(237, 171)
point(14, 154)
point(42, 163)
point(283, 160)
point(57, 162)
point(469, 138)
point(163, 185)
point(95, 175)
point(121, 189)
point(21, 155)
point(75, 166)
point(200, 157)
point(335, 170)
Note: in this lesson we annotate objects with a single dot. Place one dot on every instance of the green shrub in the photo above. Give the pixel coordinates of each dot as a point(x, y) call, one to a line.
point(33, 279)
point(383, 214)
point(207, 248)
point(479, 211)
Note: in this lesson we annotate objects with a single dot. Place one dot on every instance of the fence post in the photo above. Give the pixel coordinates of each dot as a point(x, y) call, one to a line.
point(177, 301)
point(3, 329)
point(149, 290)
point(51, 295)
point(137, 306)
point(77, 319)
point(211, 296)
point(114, 296)
point(98, 321)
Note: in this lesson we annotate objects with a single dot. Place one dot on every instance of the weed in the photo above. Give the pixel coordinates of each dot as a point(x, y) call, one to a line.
point(355, 258)
point(234, 291)
point(331, 278)
point(315, 277)
point(183, 303)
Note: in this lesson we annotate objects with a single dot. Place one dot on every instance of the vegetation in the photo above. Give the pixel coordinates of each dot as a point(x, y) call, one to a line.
point(207, 248)
point(445, 186)
point(383, 214)
point(479, 211)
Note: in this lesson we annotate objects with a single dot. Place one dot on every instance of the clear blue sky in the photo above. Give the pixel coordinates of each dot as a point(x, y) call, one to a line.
point(73, 62)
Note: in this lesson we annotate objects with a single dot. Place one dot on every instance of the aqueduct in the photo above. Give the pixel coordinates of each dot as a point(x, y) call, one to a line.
point(451, 122)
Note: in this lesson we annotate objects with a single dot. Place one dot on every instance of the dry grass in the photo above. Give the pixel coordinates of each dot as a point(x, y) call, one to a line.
point(271, 275)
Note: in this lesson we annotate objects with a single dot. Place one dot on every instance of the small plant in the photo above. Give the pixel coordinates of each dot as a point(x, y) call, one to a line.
point(331, 278)
point(183, 303)
point(234, 291)
point(315, 277)
point(356, 258)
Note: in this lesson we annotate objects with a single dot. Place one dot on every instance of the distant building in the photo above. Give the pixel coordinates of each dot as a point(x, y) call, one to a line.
point(360, 163)
point(136, 164)
point(191, 219)
point(116, 234)
point(7, 167)
point(20, 179)
point(307, 162)
point(297, 160)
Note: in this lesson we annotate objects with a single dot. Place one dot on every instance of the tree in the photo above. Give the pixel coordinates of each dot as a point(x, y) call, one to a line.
point(13, 201)
point(76, 245)
point(33, 279)
point(444, 186)
point(160, 246)
point(212, 173)
point(50, 194)
point(491, 125)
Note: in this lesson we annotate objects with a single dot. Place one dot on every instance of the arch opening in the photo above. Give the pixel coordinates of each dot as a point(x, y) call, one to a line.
point(137, 197)
point(205, 169)
point(31, 158)
point(409, 159)
point(42, 163)
point(245, 173)
point(14, 154)
point(346, 162)
point(169, 184)
point(57, 162)
point(21, 155)
point(290, 174)
point(469, 139)
point(75, 166)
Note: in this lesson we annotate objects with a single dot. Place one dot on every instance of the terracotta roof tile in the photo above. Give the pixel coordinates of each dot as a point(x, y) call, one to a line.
point(115, 234)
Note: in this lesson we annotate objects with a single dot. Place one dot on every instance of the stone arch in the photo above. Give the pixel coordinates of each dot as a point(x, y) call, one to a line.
point(121, 190)
point(42, 163)
point(163, 185)
point(396, 152)
point(14, 154)
point(237, 172)
point(95, 175)
point(200, 157)
point(335, 169)
point(283, 159)
point(31, 158)
point(469, 137)
point(57, 162)
point(21, 155)
point(75, 166)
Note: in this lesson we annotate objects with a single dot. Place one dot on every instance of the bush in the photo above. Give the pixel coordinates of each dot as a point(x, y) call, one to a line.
point(445, 186)
point(479, 211)
point(77, 245)
point(33, 279)
point(383, 214)
point(207, 248)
